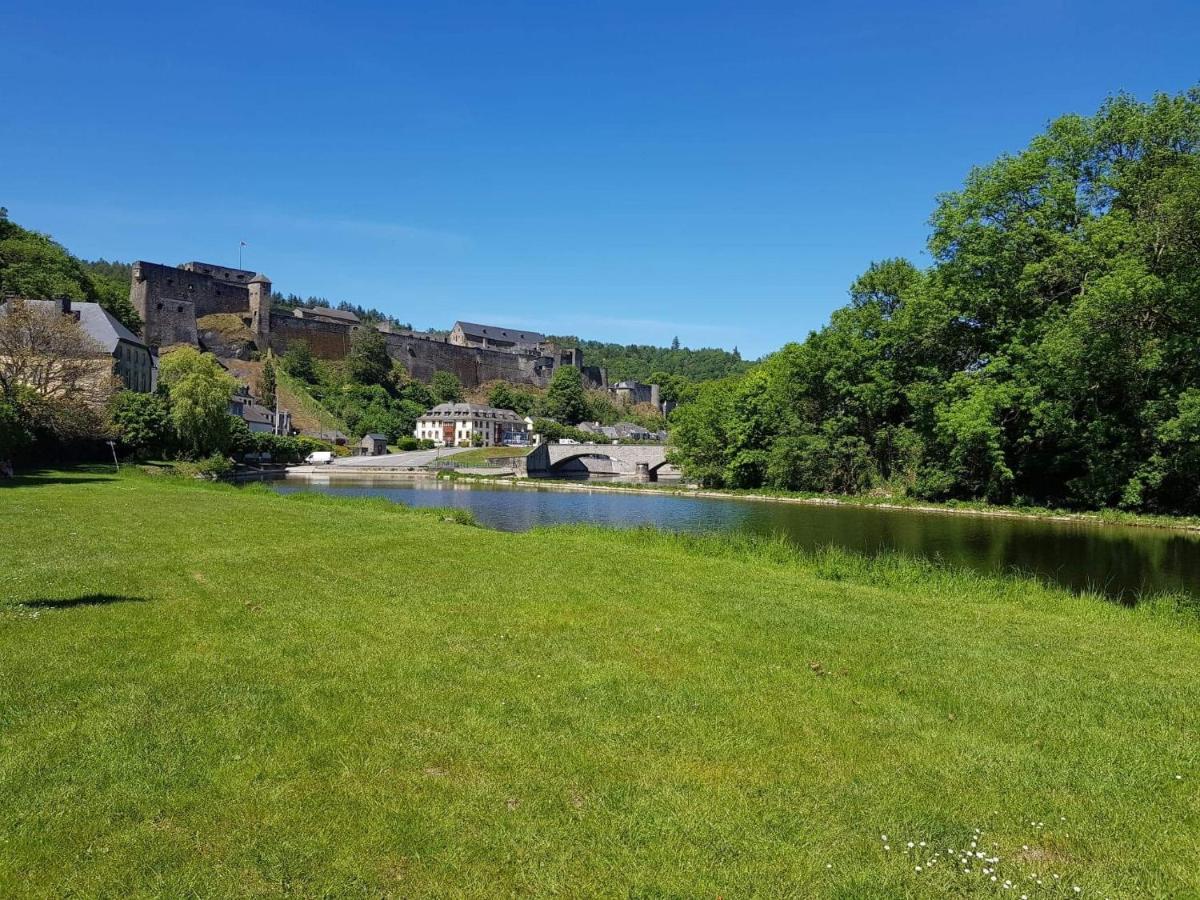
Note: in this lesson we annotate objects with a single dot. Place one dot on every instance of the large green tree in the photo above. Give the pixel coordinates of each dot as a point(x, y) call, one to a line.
point(1048, 355)
point(368, 361)
point(566, 399)
point(199, 391)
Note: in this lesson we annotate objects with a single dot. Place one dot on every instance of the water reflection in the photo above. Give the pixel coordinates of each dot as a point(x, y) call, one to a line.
point(1120, 561)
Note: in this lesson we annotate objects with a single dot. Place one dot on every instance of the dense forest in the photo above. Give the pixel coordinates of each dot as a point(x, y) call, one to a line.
point(1048, 355)
point(35, 267)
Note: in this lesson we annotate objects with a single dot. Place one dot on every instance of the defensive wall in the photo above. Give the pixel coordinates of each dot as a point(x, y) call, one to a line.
point(170, 299)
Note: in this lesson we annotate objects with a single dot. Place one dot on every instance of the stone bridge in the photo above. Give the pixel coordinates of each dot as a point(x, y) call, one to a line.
point(643, 461)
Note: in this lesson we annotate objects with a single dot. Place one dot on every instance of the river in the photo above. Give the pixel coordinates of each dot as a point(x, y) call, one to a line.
point(1119, 561)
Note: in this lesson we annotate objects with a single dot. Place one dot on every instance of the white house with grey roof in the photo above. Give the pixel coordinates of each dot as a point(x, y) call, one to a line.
point(470, 425)
point(132, 361)
point(494, 337)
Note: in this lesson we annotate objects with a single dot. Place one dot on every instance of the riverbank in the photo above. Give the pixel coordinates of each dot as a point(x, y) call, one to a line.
point(954, 507)
point(219, 690)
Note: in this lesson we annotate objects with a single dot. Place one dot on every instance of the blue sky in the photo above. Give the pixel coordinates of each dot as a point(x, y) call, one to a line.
point(624, 171)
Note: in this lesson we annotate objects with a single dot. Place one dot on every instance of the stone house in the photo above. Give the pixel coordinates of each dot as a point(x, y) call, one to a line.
point(470, 425)
point(494, 337)
point(373, 445)
point(121, 352)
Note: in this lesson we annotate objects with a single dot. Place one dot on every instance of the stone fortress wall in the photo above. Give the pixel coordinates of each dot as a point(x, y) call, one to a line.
point(171, 298)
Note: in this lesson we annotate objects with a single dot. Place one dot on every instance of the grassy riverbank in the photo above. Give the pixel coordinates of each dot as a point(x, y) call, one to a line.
point(207, 690)
point(881, 501)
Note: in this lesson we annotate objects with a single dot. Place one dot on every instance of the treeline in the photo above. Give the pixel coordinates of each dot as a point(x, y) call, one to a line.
point(641, 362)
point(367, 314)
point(35, 267)
point(1048, 355)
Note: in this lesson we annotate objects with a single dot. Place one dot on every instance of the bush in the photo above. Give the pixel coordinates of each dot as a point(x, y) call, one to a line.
point(210, 467)
point(142, 423)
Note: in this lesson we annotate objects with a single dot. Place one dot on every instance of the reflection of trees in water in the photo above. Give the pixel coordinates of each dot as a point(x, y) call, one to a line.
point(1114, 559)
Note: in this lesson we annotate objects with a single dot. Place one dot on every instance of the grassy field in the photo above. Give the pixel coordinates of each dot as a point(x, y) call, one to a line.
point(479, 456)
point(212, 691)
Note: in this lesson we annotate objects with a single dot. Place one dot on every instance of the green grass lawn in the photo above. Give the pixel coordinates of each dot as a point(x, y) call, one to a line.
point(479, 456)
point(211, 691)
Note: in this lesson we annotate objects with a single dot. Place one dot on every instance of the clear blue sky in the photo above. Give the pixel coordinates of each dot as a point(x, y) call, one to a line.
point(624, 171)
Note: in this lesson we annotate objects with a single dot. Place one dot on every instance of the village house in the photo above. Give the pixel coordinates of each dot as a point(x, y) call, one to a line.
point(494, 337)
point(258, 418)
point(127, 357)
point(470, 425)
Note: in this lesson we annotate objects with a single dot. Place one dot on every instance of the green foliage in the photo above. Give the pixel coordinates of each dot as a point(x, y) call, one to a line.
point(446, 388)
point(368, 361)
point(1048, 356)
point(281, 447)
point(266, 382)
point(199, 391)
point(209, 468)
point(641, 362)
point(506, 396)
point(142, 423)
point(14, 435)
point(566, 400)
point(298, 362)
point(556, 431)
point(35, 267)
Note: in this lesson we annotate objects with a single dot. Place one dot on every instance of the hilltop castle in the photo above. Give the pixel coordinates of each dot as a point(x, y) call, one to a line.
point(191, 303)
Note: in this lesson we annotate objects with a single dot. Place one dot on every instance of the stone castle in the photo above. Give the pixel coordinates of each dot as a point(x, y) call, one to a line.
point(181, 304)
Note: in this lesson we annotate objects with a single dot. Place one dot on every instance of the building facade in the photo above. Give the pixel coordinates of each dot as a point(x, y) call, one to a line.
point(494, 337)
point(119, 351)
point(470, 425)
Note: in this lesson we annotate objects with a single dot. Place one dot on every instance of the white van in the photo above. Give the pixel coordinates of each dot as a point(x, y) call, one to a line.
point(319, 458)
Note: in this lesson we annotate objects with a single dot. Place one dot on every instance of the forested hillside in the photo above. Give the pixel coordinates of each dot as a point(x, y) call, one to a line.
point(646, 363)
point(37, 268)
point(1049, 354)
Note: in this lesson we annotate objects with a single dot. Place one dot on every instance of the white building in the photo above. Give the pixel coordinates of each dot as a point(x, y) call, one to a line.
point(469, 425)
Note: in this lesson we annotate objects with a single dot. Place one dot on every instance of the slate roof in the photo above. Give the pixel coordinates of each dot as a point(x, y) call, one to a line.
point(471, 410)
point(95, 320)
point(325, 312)
point(500, 333)
point(376, 437)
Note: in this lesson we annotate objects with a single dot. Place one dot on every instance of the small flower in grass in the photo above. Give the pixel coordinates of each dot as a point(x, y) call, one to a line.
point(829, 865)
point(918, 869)
point(911, 844)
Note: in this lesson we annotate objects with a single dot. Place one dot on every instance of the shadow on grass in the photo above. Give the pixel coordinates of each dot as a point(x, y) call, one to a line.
point(86, 600)
point(77, 474)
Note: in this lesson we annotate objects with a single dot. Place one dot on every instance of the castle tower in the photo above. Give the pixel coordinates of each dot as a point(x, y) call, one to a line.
point(259, 290)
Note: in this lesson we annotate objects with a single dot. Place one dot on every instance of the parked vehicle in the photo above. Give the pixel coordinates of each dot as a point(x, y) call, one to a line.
point(567, 441)
point(319, 458)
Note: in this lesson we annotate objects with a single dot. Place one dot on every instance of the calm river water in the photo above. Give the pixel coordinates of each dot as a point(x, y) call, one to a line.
point(1118, 560)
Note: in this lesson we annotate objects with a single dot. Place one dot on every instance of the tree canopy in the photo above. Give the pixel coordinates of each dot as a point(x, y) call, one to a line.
point(34, 267)
point(1048, 355)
